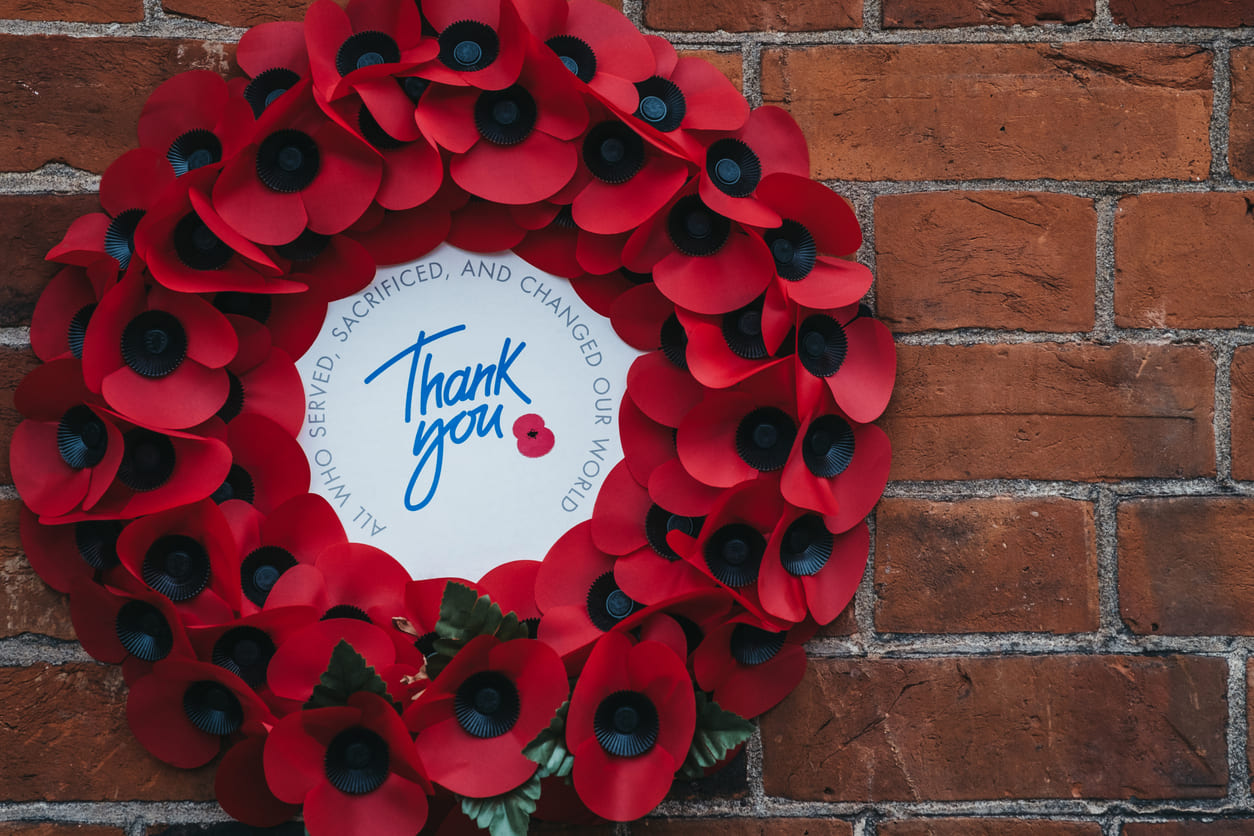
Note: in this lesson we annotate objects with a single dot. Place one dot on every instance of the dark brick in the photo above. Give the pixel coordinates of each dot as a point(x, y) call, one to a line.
point(936, 14)
point(32, 225)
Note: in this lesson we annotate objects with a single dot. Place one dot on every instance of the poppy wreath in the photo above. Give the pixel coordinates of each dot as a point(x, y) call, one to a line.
point(165, 492)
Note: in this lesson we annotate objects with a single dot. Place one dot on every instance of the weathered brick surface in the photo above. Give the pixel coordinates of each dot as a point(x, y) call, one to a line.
point(1184, 565)
point(743, 827)
point(27, 604)
point(1079, 111)
point(77, 100)
point(1182, 12)
point(935, 14)
point(57, 829)
point(987, 827)
point(748, 16)
point(14, 365)
point(985, 259)
point(32, 224)
point(1052, 411)
point(237, 12)
point(1011, 727)
point(80, 11)
point(1219, 827)
point(1178, 257)
point(1030, 564)
point(1242, 379)
point(1241, 116)
point(65, 738)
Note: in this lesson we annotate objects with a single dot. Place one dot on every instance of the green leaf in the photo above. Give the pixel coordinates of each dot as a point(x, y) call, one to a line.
point(717, 733)
point(549, 748)
point(508, 814)
point(346, 674)
point(465, 616)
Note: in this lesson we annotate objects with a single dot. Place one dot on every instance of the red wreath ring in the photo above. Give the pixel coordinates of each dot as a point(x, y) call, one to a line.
point(164, 492)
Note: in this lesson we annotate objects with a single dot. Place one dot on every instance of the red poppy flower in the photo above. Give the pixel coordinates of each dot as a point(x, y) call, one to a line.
point(645, 319)
point(631, 721)
point(130, 186)
point(185, 554)
point(183, 710)
point(483, 43)
point(480, 226)
point(839, 468)
point(195, 121)
point(750, 668)
point(484, 708)
point(127, 621)
point(241, 789)
point(188, 248)
point(157, 356)
point(736, 163)
point(263, 379)
point(404, 236)
point(700, 260)
point(600, 292)
point(422, 611)
point(295, 532)
point(353, 768)
point(65, 307)
point(63, 554)
point(66, 454)
point(512, 586)
point(268, 466)
point(351, 580)
point(529, 126)
point(647, 445)
point(724, 349)
point(273, 56)
point(298, 664)
point(302, 170)
point(663, 390)
point(557, 246)
point(808, 570)
point(683, 95)
point(852, 354)
point(596, 43)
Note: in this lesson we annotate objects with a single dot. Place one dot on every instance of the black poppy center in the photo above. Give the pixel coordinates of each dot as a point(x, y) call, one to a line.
point(154, 344)
point(505, 117)
point(76, 333)
point(626, 724)
point(304, 247)
point(235, 397)
point(806, 546)
point(288, 161)
point(821, 345)
point(147, 461)
point(661, 104)
point(195, 149)
point(143, 630)
point(366, 49)
point(263, 90)
point(414, 87)
point(246, 652)
point(255, 306)
point(197, 246)
point(346, 611)
point(828, 446)
point(82, 438)
point(261, 570)
point(468, 45)
point(658, 522)
point(764, 438)
point(793, 248)
point(97, 542)
point(613, 152)
point(237, 485)
point(120, 236)
point(734, 554)
point(177, 566)
point(742, 332)
point(576, 55)
point(695, 229)
point(486, 704)
point(356, 761)
point(607, 604)
point(374, 132)
point(212, 707)
point(752, 645)
point(733, 167)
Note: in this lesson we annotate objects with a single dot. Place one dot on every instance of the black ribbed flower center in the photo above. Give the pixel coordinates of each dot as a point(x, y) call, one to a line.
point(742, 332)
point(245, 652)
point(148, 460)
point(575, 55)
point(828, 446)
point(266, 88)
point(97, 542)
point(733, 167)
point(366, 49)
point(734, 554)
point(695, 229)
point(486, 704)
point(82, 438)
point(505, 117)
point(154, 344)
point(468, 46)
point(753, 646)
point(212, 708)
point(626, 724)
point(661, 104)
point(143, 630)
point(607, 604)
point(288, 161)
point(76, 333)
point(195, 149)
point(177, 566)
point(764, 438)
point(255, 306)
point(356, 761)
point(261, 570)
point(119, 239)
point(613, 152)
point(197, 246)
point(658, 522)
point(806, 546)
point(793, 248)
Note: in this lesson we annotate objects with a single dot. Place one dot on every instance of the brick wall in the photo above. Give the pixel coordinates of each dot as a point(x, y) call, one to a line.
point(1054, 634)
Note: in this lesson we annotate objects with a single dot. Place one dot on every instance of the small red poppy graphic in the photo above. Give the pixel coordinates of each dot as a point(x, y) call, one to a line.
point(534, 439)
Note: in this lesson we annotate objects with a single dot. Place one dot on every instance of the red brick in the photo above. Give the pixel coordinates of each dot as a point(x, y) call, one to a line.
point(1010, 727)
point(742, 827)
point(1052, 411)
point(14, 364)
point(1184, 565)
point(237, 12)
point(934, 14)
point(1077, 111)
point(1182, 12)
point(56, 829)
point(77, 100)
point(31, 225)
point(65, 738)
point(79, 11)
point(752, 16)
point(1220, 827)
point(27, 604)
point(985, 259)
point(988, 827)
point(729, 64)
point(1176, 256)
point(1031, 564)
point(1242, 379)
point(1241, 115)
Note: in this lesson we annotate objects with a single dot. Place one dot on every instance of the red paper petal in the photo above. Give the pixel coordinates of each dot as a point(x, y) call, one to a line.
point(619, 513)
point(268, 45)
point(298, 665)
point(714, 103)
point(732, 278)
point(240, 785)
point(244, 202)
point(864, 382)
point(154, 710)
point(188, 396)
point(662, 390)
point(706, 440)
point(411, 177)
point(609, 209)
point(191, 100)
point(397, 808)
point(833, 283)
point(135, 180)
point(569, 569)
point(46, 483)
point(831, 590)
point(549, 163)
point(622, 789)
point(348, 178)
